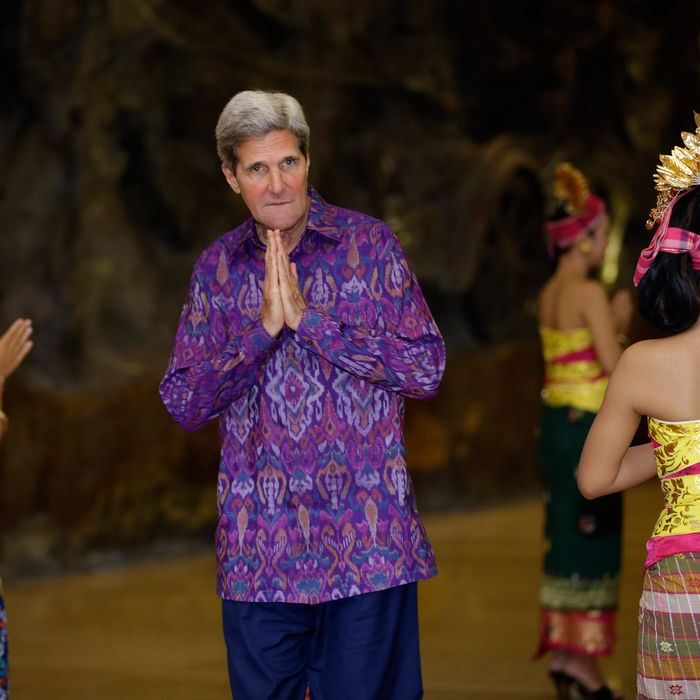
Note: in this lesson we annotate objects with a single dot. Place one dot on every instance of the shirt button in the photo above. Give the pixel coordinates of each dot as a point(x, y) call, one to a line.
point(308, 341)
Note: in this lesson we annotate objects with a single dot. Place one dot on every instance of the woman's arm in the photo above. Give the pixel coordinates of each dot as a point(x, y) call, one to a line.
point(608, 464)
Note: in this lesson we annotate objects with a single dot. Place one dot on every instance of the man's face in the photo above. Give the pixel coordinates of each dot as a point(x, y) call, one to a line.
point(271, 176)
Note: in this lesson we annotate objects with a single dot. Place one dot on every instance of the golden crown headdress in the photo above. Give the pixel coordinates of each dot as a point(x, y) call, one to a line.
point(677, 172)
point(570, 188)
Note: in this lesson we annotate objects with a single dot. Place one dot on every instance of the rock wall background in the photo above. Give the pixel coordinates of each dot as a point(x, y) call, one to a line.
point(439, 117)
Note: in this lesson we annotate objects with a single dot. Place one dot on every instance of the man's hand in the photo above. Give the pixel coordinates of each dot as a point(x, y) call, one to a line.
point(272, 309)
point(292, 299)
point(14, 346)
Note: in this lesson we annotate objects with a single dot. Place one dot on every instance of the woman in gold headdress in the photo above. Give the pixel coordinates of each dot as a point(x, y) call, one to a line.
point(14, 346)
point(660, 379)
point(580, 331)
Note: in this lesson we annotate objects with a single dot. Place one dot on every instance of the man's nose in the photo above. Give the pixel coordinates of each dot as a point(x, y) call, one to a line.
point(275, 181)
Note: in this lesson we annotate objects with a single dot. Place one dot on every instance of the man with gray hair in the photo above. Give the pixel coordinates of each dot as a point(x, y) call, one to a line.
point(303, 330)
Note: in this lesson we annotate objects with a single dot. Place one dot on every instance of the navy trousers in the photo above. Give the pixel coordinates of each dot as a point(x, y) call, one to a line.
point(359, 648)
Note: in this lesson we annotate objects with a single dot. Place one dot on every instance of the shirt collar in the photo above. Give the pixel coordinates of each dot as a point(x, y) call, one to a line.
point(323, 217)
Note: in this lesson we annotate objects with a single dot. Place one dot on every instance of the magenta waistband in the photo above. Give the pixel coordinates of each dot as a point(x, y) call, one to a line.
point(587, 354)
point(668, 545)
point(690, 470)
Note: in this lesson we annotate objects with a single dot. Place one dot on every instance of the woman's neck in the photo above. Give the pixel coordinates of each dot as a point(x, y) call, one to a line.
point(573, 264)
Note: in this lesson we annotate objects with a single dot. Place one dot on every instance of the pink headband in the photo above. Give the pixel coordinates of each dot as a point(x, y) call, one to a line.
point(668, 239)
point(564, 232)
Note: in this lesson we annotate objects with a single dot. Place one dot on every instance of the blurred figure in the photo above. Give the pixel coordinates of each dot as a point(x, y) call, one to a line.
point(14, 346)
point(580, 333)
point(303, 330)
point(660, 379)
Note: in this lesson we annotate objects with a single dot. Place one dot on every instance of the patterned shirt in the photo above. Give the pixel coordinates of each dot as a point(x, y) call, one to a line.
point(315, 501)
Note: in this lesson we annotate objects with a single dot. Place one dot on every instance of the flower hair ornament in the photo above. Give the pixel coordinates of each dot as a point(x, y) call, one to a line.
point(584, 210)
point(677, 175)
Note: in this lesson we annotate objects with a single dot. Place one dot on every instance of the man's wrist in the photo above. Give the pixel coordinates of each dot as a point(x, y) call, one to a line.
point(297, 320)
point(270, 330)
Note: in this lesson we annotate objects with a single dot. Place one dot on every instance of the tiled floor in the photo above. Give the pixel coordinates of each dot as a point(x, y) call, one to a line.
point(151, 632)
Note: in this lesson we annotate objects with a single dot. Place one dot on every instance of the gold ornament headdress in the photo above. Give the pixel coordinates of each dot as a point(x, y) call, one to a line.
point(584, 211)
point(677, 172)
point(570, 188)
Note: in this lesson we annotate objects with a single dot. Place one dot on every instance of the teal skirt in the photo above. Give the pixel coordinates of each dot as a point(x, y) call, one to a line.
point(582, 538)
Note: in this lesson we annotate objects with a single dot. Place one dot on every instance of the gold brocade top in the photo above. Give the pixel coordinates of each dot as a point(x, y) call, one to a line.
point(677, 454)
point(573, 375)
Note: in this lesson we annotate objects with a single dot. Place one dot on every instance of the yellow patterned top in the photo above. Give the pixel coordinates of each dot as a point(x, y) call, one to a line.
point(677, 447)
point(573, 373)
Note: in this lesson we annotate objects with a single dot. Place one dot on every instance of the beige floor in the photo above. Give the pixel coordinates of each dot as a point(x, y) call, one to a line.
point(151, 632)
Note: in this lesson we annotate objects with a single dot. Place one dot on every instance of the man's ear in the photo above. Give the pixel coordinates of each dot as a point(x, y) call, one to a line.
point(231, 179)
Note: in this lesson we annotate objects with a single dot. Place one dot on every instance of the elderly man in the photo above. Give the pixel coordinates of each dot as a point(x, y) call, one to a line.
point(303, 330)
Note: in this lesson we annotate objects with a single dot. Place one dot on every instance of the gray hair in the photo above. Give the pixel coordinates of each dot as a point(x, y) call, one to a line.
point(255, 113)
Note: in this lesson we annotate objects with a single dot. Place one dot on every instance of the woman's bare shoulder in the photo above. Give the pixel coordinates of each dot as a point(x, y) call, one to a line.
point(663, 376)
point(655, 362)
point(639, 361)
point(590, 289)
point(645, 351)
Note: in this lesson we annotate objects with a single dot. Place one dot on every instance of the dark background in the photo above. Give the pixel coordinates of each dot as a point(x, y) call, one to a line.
point(443, 118)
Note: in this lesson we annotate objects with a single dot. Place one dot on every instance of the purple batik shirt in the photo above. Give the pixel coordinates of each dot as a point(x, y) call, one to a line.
point(315, 501)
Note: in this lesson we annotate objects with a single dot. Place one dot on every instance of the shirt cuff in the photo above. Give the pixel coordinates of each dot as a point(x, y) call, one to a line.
point(256, 343)
point(313, 327)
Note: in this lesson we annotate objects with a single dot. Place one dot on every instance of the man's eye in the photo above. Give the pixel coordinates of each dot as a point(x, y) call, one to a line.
point(290, 161)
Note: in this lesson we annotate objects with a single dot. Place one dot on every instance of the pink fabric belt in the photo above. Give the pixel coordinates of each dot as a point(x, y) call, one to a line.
point(668, 545)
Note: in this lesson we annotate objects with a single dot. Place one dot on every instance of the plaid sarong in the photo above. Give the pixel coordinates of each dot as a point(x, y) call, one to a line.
point(668, 658)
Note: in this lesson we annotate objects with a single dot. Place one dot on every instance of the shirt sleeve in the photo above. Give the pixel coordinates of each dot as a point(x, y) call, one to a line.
point(398, 346)
point(209, 366)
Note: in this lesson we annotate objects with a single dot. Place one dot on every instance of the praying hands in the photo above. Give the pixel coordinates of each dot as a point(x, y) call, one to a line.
point(283, 303)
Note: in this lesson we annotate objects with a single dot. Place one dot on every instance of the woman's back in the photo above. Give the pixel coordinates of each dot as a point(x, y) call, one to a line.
point(560, 303)
point(570, 301)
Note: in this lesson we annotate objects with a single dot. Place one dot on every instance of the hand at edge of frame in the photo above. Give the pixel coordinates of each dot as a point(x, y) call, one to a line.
point(15, 344)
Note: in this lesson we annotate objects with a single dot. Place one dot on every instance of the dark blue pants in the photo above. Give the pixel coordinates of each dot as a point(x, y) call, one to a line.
point(359, 648)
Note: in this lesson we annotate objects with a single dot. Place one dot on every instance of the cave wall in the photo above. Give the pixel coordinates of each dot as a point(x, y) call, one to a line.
point(439, 117)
